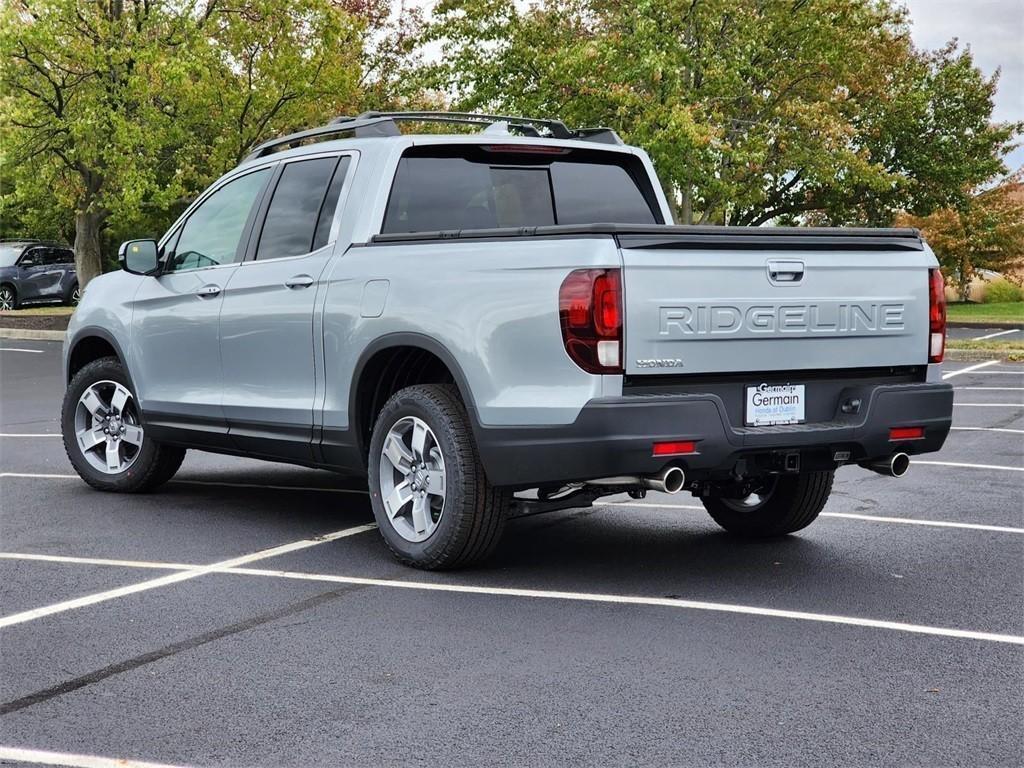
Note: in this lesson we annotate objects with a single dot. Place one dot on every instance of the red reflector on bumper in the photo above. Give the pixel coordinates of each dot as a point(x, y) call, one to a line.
point(675, 448)
point(906, 433)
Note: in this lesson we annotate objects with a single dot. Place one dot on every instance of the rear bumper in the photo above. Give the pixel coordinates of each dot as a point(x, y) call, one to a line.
point(613, 436)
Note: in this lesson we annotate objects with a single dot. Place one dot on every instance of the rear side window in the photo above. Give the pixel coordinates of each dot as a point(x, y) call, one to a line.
point(471, 188)
point(299, 204)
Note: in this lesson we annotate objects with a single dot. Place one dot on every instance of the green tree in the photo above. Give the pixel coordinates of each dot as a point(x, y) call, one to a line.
point(120, 110)
point(751, 111)
point(986, 231)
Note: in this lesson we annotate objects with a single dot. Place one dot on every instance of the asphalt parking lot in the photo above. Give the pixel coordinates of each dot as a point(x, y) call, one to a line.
point(248, 615)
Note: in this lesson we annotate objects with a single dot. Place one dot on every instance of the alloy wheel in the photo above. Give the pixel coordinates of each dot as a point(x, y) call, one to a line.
point(412, 479)
point(107, 427)
point(6, 299)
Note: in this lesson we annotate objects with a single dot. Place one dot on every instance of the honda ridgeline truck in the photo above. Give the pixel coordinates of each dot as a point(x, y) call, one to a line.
point(503, 321)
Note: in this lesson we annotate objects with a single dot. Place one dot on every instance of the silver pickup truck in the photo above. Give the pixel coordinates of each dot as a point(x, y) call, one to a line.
point(503, 322)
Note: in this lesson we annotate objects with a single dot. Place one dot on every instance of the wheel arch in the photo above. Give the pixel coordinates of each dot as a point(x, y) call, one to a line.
point(92, 343)
point(395, 361)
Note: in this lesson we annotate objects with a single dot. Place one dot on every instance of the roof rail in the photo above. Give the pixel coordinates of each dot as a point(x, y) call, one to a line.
point(370, 124)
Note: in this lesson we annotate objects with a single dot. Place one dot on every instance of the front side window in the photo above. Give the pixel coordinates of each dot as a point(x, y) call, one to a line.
point(213, 232)
point(297, 220)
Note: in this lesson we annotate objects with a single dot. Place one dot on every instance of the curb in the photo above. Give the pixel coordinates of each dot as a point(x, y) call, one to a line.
point(27, 334)
point(972, 355)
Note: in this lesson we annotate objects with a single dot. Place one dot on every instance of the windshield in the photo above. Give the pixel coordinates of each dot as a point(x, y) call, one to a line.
point(9, 254)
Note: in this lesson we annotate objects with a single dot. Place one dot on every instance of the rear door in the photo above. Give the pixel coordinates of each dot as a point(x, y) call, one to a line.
point(267, 342)
point(728, 302)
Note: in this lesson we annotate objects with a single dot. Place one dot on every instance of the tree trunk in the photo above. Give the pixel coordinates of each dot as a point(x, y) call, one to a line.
point(88, 255)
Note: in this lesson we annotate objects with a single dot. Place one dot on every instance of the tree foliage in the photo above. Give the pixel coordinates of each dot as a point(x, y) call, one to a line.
point(751, 111)
point(119, 110)
point(985, 231)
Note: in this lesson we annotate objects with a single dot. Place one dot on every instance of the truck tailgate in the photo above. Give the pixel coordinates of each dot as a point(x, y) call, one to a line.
point(734, 300)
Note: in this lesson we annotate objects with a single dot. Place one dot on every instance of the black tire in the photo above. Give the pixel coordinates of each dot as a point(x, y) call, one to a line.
point(792, 503)
point(473, 515)
point(154, 465)
point(69, 297)
point(9, 295)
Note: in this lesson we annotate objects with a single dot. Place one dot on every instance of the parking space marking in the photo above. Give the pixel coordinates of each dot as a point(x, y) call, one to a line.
point(986, 405)
point(41, 757)
point(661, 602)
point(16, 349)
point(844, 515)
point(36, 434)
point(97, 561)
point(969, 369)
point(591, 597)
point(989, 429)
point(997, 333)
point(967, 466)
point(993, 389)
point(174, 578)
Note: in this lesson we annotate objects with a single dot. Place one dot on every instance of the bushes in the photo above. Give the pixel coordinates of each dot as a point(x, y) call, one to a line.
point(999, 291)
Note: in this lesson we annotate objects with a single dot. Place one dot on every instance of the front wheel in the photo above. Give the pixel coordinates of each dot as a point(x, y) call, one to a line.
point(430, 497)
point(783, 504)
point(104, 436)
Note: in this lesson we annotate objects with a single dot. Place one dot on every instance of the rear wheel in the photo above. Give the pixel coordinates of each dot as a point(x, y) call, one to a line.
point(783, 504)
point(8, 298)
point(73, 296)
point(431, 499)
point(104, 436)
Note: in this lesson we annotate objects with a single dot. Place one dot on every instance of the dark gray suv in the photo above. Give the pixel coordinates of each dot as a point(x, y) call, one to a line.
point(36, 271)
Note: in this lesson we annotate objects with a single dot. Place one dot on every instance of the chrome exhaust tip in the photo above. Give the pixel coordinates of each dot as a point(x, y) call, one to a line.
point(894, 466)
point(669, 480)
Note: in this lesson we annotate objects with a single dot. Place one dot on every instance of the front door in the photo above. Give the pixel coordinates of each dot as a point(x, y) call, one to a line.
point(39, 278)
point(267, 338)
point(175, 345)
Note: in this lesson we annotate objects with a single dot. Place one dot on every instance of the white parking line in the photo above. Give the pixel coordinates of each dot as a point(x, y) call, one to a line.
point(587, 597)
point(35, 434)
point(969, 368)
point(993, 389)
point(986, 405)
point(16, 349)
point(989, 429)
point(97, 561)
point(997, 333)
point(173, 578)
point(661, 602)
point(967, 466)
point(845, 515)
point(41, 757)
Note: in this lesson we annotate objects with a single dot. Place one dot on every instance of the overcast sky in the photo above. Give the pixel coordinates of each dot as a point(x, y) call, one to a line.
point(994, 30)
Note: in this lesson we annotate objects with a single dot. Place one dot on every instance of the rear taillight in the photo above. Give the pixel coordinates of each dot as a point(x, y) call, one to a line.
point(590, 308)
point(936, 316)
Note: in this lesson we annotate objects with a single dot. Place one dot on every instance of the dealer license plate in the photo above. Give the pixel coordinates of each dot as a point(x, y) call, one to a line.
point(770, 404)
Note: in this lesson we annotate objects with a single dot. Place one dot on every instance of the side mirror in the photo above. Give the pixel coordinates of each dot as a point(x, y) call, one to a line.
point(140, 257)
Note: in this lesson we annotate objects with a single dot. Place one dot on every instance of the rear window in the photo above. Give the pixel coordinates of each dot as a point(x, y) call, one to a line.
point(472, 188)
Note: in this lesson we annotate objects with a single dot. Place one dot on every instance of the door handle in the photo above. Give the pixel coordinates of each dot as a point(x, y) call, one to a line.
point(208, 291)
point(785, 271)
point(299, 281)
